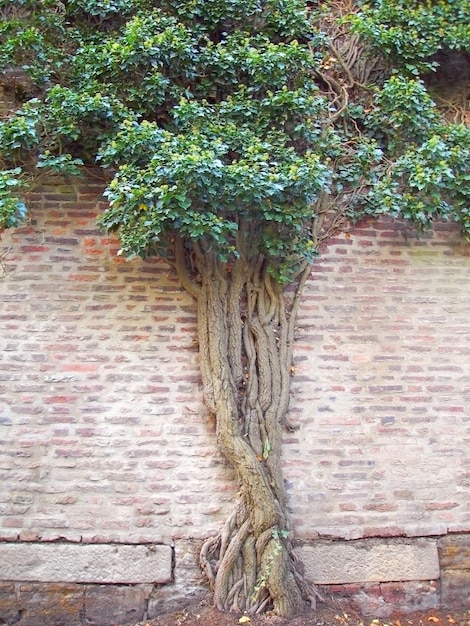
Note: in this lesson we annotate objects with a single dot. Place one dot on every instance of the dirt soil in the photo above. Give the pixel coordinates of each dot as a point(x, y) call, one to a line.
point(201, 613)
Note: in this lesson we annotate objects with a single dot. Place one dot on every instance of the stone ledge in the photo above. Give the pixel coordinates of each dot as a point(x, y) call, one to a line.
point(328, 563)
point(86, 563)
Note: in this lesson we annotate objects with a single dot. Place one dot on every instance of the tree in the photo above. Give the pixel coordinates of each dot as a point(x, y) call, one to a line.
point(235, 138)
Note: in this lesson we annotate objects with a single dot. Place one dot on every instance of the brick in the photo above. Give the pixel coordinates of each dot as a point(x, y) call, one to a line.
point(9, 605)
point(454, 552)
point(393, 593)
point(50, 605)
point(110, 605)
point(455, 589)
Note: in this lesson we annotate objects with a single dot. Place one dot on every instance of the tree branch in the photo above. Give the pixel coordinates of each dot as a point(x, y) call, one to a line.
point(182, 270)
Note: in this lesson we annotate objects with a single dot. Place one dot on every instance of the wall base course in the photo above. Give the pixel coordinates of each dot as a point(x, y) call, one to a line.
point(74, 604)
point(33, 604)
point(454, 557)
point(455, 589)
point(370, 560)
point(42, 604)
point(382, 600)
point(9, 607)
point(107, 605)
point(86, 563)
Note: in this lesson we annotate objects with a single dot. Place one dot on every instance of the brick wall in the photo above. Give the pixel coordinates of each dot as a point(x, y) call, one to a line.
point(103, 437)
point(102, 432)
point(382, 387)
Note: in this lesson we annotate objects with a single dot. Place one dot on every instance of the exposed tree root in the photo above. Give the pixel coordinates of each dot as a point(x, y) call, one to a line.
point(249, 573)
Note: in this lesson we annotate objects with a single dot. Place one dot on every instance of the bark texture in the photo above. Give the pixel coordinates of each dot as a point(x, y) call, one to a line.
point(246, 332)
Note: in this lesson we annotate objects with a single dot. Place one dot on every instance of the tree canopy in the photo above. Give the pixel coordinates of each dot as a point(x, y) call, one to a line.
point(234, 138)
point(207, 114)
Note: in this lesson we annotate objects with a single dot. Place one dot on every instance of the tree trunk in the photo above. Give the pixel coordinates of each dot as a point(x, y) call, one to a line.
point(246, 328)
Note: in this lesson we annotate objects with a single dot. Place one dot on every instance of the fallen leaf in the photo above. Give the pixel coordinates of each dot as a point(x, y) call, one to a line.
point(244, 619)
point(433, 619)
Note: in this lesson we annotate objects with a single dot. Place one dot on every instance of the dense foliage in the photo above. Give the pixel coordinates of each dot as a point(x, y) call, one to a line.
point(412, 33)
point(235, 137)
point(205, 114)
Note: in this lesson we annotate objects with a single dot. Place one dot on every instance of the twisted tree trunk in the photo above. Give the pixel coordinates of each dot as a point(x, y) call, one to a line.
point(246, 329)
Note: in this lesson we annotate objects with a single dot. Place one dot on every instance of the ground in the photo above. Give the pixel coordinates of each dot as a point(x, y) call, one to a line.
point(201, 613)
